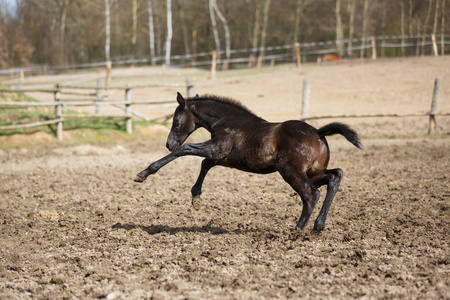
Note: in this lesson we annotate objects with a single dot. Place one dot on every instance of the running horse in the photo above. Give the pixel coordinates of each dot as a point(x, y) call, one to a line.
point(242, 140)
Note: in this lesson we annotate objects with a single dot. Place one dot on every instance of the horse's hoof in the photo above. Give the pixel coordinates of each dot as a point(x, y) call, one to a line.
point(139, 179)
point(317, 228)
point(196, 203)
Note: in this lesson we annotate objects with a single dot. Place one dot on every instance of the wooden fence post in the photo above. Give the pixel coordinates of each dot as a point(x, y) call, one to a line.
point(20, 79)
point(435, 49)
point(305, 99)
point(374, 49)
point(434, 105)
point(213, 65)
point(108, 73)
point(128, 121)
point(260, 58)
point(98, 96)
point(297, 54)
point(58, 113)
point(189, 86)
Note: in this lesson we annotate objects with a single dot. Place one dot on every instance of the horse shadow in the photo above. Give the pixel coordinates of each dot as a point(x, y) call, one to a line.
point(208, 228)
point(258, 234)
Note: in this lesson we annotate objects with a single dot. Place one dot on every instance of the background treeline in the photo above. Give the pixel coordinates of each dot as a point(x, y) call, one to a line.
point(60, 32)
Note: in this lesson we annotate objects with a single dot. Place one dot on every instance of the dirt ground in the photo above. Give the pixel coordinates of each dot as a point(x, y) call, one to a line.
point(74, 225)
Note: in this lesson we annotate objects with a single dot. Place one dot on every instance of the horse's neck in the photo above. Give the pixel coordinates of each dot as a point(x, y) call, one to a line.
point(210, 113)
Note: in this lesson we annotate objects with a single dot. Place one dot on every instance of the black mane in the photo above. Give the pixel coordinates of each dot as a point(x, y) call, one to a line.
point(223, 100)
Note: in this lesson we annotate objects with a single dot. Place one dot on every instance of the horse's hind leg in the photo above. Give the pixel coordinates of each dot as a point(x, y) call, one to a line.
point(332, 178)
point(196, 190)
point(307, 191)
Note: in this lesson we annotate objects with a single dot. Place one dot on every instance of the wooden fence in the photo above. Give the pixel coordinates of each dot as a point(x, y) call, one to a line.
point(431, 115)
point(91, 99)
point(126, 105)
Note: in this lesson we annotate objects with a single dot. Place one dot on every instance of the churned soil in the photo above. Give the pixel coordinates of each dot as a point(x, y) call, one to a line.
point(74, 225)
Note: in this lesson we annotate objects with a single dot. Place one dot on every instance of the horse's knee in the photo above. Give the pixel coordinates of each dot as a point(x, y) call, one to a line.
point(338, 174)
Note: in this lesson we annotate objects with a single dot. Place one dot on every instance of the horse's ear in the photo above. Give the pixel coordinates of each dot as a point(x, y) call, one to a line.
point(180, 99)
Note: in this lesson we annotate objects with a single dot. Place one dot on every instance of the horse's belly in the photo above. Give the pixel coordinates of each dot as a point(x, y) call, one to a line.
point(253, 162)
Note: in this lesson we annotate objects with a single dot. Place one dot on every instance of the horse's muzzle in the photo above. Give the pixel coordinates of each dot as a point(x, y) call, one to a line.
point(172, 145)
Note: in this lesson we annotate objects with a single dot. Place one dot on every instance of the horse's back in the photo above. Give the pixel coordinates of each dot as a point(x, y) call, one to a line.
point(298, 130)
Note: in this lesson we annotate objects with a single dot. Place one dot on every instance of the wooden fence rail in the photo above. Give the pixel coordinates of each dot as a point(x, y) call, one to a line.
point(431, 115)
point(93, 100)
point(126, 105)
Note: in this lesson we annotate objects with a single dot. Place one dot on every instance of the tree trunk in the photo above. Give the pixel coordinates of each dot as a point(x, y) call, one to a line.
point(116, 28)
point(402, 25)
point(418, 34)
point(351, 27)
point(425, 26)
point(435, 22)
point(151, 32)
point(227, 36)
point(383, 30)
point(169, 31)
point(263, 33)
point(255, 33)
point(60, 10)
point(181, 9)
point(365, 22)
point(443, 28)
point(339, 29)
point(62, 28)
point(298, 12)
point(194, 31)
point(158, 34)
point(134, 28)
point(107, 32)
point(214, 27)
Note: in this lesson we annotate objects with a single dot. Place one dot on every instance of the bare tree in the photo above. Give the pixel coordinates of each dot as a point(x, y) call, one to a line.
point(116, 26)
point(263, 33)
point(59, 15)
point(169, 32)
point(181, 9)
point(62, 31)
point(365, 22)
point(134, 28)
point(442, 27)
point(214, 27)
point(151, 31)
point(402, 25)
point(21, 50)
point(194, 30)
point(227, 35)
point(107, 31)
point(339, 29)
point(425, 26)
point(351, 25)
point(435, 22)
point(3, 51)
point(255, 34)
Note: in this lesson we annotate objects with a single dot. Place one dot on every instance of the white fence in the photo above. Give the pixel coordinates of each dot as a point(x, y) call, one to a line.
point(273, 54)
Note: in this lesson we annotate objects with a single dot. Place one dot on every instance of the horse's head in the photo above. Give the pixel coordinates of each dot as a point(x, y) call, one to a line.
point(183, 125)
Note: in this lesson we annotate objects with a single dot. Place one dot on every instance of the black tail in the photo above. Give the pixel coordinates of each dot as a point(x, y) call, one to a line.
point(342, 129)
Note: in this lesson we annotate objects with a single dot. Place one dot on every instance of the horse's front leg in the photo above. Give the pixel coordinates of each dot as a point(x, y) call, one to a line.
point(207, 149)
point(196, 190)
